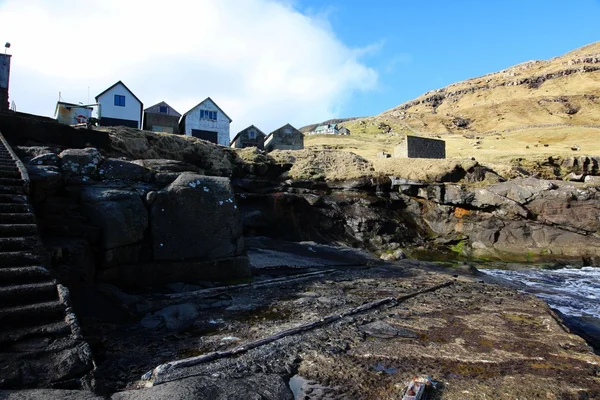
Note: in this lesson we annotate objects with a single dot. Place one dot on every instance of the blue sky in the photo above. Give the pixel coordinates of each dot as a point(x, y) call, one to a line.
point(272, 62)
point(425, 45)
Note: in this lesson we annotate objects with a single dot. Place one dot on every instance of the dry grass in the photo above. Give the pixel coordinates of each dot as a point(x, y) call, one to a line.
point(494, 103)
point(328, 165)
point(137, 144)
point(420, 169)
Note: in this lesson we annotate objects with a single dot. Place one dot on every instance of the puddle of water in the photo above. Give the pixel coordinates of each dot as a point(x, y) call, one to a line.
point(296, 384)
point(381, 368)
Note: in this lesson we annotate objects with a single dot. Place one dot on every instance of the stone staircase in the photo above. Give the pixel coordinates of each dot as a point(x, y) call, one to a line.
point(40, 341)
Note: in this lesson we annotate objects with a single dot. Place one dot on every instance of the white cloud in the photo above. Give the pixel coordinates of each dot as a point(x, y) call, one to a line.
point(262, 61)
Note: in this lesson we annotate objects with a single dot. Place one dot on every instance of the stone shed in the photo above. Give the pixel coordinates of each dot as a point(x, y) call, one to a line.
point(285, 138)
point(249, 137)
point(420, 147)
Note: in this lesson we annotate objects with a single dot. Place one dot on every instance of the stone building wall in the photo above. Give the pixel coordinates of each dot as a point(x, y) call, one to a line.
point(419, 147)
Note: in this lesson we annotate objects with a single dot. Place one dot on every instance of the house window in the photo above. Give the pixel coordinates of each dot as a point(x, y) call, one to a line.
point(287, 130)
point(205, 114)
point(163, 109)
point(251, 135)
point(119, 100)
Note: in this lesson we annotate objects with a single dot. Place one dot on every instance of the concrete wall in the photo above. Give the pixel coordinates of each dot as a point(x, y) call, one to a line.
point(243, 139)
point(152, 122)
point(221, 125)
point(285, 138)
point(4, 80)
point(132, 110)
point(22, 129)
point(419, 147)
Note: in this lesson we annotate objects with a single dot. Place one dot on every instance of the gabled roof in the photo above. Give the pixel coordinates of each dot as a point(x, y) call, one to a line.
point(245, 129)
point(162, 103)
point(281, 127)
point(325, 127)
point(119, 82)
point(202, 102)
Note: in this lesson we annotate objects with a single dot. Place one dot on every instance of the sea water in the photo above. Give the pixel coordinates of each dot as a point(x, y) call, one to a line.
point(572, 291)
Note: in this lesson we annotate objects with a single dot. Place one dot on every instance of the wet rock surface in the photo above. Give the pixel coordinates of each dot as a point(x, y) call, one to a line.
point(475, 338)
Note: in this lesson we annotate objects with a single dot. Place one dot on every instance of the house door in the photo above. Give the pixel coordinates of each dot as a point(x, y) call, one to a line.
point(206, 135)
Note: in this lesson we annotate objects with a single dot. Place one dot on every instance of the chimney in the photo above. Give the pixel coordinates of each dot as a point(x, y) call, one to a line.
point(4, 79)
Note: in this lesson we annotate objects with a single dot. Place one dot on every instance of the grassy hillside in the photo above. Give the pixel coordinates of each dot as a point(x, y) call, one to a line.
point(510, 113)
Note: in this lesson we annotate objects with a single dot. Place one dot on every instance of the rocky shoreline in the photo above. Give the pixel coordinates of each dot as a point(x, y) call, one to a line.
point(274, 284)
point(477, 339)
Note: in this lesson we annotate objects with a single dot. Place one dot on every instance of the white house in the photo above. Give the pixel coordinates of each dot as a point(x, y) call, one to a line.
point(206, 121)
point(117, 105)
point(326, 129)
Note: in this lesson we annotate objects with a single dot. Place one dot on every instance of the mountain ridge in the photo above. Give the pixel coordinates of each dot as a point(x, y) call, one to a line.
point(562, 87)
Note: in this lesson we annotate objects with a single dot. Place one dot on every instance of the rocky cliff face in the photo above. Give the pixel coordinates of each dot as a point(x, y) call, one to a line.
point(137, 223)
point(134, 223)
point(522, 220)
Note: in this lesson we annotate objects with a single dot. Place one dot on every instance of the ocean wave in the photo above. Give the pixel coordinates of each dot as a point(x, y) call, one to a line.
point(572, 291)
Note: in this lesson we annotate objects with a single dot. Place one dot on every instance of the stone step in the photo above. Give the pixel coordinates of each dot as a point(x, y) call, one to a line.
point(22, 275)
point(11, 230)
point(31, 315)
point(14, 208)
point(18, 258)
point(18, 243)
point(17, 218)
point(12, 198)
point(10, 173)
point(28, 293)
point(11, 181)
point(55, 329)
point(12, 189)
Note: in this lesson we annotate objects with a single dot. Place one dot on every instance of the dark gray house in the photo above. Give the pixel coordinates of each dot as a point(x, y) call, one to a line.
point(161, 117)
point(420, 147)
point(285, 138)
point(249, 137)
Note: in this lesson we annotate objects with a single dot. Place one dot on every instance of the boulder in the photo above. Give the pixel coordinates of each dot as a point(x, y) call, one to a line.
point(46, 159)
point(161, 165)
point(195, 218)
point(573, 177)
point(486, 198)
point(48, 394)
point(393, 255)
point(592, 180)
point(45, 181)
point(568, 207)
point(256, 386)
point(80, 161)
point(119, 212)
point(113, 169)
point(522, 190)
point(457, 195)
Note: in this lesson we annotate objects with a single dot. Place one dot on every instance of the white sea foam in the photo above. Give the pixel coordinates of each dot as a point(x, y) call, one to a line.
point(572, 291)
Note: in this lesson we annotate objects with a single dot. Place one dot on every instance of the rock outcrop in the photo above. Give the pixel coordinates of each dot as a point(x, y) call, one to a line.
point(522, 220)
point(139, 223)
